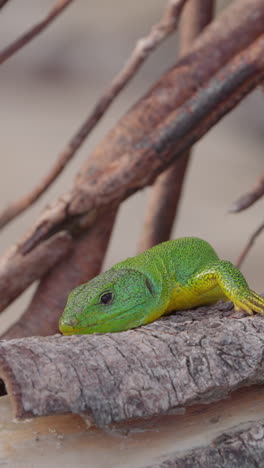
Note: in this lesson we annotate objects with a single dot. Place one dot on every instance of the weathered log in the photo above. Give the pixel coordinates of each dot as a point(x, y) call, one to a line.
point(240, 449)
point(196, 356)
point(134, 444)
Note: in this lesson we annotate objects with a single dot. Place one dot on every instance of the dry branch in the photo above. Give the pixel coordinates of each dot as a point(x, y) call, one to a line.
point(249, 198)
point(27, 269)
point(242, 448)
point(196, 356)
point(144, 47)
point(11, 49)
point(3, 3)
point(82, 264)
point(249, 244)
point(176, 112)
point(166, 192)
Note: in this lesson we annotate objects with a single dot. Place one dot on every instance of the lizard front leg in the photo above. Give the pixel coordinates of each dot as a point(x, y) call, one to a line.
point(231, 282)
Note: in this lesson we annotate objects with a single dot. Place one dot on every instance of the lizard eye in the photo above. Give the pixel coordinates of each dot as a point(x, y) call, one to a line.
point(107, 298)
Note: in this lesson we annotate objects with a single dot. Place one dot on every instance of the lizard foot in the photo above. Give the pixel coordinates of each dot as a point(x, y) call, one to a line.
point(250, 302)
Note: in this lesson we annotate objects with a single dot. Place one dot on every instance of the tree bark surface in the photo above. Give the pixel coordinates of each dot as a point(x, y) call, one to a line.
point(239, 449)
point(196, 356)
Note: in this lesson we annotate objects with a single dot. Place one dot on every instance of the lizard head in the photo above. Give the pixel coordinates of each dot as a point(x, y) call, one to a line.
point(114, 301)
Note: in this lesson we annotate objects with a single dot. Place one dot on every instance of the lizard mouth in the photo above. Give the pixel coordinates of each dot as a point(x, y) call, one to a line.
point(66, 329)
point(73, 327)
point(69, 328)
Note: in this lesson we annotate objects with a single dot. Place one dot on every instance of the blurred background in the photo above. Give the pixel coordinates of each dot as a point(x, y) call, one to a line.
point(49, 87)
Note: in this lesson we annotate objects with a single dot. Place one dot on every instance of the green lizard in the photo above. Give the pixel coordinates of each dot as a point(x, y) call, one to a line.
point(178, 274)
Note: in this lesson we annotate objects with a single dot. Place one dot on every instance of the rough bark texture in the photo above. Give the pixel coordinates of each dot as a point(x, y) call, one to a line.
point(196, 356)
point(239, 449)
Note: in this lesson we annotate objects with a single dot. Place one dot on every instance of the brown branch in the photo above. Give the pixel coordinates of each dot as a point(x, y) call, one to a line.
point(249, 198)
point(249, 244)
point(163, 205)
point(144, 47)
point(3, 3)
point(23, 40)
point(82, 264)
point(241, 447)
point(166, 193)
point(196, 356)
point(157, 130)
point(28, 269)
point(190, 73)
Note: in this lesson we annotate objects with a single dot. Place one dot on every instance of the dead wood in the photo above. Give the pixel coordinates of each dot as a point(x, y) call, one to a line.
point(247, 200)
point(16, 265)
point(196, 356)
point(38, 28)
point(166, 193)
point(3, 3)
point(158, 33)
point(163, 204)
point(241, 448)
point(82, 264)
point(249, 245)
point(154, 132)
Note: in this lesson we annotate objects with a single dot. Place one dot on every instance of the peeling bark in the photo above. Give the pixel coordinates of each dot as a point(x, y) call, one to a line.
point(196, 356)
point(239, 449)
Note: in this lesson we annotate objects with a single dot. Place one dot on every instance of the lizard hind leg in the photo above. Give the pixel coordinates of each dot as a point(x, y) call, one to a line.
point(233, 285)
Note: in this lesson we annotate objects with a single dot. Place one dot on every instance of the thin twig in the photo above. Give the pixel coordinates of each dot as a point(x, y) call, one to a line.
point(165, 196)
point(23, 40)
point(249, 244)
point(3, 3)
point(144, 47)
point(249, 198)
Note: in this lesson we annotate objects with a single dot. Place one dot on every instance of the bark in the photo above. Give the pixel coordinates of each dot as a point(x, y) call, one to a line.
point(144, 47)
point(239, 449)
point(144, 143)
point(27, 269)
point(196, 356)
point(247, 200)
point(84, 262)
point(33, 32)
point(166, 193)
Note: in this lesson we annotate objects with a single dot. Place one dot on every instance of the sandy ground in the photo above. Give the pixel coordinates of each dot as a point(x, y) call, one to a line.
point(49, 87)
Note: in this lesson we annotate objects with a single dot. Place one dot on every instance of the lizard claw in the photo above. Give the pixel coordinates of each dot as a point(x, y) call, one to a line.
point(251, 302)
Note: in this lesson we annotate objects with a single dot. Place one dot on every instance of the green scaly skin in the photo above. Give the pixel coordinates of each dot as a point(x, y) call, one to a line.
point(175, 275)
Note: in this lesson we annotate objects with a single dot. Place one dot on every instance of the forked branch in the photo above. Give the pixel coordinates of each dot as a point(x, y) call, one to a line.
point(165, 27)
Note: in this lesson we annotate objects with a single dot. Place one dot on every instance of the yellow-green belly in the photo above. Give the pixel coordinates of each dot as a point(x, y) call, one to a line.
point(186, 297)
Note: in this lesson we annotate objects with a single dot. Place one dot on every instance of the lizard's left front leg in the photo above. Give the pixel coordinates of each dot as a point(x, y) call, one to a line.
point(232, 283)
